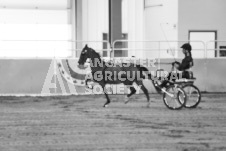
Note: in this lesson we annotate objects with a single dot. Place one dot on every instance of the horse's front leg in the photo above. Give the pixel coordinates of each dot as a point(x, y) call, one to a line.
point(108, 100)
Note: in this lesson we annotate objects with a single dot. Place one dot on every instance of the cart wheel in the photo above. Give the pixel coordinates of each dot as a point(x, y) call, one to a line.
point(174, 98)
point(193, 96)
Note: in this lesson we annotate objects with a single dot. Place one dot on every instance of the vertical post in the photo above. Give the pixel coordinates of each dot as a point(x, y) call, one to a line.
point(159, 55)
point(115, 22)
point(205, 65)
point(109, 20)
point(72, 22)
point(78, 25)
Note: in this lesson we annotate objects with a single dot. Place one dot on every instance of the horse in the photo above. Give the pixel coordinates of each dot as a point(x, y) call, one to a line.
point(125, 73)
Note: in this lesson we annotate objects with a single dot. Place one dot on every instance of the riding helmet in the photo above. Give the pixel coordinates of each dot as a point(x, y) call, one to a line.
point(186, 46)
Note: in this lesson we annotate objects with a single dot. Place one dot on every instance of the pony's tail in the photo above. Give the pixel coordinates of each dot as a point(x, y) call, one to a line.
point(146, 71)
point(150, 77)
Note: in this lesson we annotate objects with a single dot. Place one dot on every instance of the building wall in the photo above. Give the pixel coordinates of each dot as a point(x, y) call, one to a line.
point(35, 28)
point(94, 20)
point(201, 15)
point(135, 27)
point(161, 19)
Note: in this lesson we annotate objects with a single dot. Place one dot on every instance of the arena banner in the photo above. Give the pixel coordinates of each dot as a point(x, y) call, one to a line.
point(68, 78)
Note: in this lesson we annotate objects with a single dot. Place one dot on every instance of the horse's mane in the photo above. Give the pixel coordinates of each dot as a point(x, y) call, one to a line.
point(98, 55)
point(95, 52)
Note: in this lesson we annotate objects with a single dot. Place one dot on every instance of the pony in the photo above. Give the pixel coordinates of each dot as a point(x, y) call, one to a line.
point(108, 73)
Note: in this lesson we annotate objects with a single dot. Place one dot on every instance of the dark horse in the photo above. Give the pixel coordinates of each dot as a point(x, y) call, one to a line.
point(126, 73)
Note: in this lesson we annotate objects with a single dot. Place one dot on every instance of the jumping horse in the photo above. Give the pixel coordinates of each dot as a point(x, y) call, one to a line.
point(126, 73)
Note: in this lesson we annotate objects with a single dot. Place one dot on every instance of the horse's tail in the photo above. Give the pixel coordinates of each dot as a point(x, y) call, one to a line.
point(150, 76)
point(146, 71)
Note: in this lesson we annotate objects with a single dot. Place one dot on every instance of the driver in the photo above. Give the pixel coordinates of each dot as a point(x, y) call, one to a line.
point(186, 64)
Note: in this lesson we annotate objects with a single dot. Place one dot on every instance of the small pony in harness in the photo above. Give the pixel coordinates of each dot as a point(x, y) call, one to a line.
point(126, 73)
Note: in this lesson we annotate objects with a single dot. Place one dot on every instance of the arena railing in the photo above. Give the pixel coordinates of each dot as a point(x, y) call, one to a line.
point(102, 47)
point(157, 49)
point(216, 49)
point(48, 49)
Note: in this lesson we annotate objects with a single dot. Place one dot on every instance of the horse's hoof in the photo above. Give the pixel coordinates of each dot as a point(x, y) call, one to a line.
point(89, 87)
point(126, 99)
point(148, 105)
point(105, 105)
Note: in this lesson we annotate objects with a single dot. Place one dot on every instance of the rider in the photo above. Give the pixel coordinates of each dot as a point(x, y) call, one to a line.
point(186, 63)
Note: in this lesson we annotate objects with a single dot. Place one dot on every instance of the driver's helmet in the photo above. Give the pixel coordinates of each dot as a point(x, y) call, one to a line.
point(186, 46)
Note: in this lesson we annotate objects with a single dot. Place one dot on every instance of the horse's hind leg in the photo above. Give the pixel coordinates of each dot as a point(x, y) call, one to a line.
point(146, 93)
point(132, 91)
point(140, 83)
point(108, 100)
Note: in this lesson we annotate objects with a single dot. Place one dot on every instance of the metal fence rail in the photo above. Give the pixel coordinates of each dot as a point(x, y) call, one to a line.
point(47, 49)
point(156, 49)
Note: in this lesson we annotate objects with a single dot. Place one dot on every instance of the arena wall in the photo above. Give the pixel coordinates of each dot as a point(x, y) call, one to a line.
point(42, 77)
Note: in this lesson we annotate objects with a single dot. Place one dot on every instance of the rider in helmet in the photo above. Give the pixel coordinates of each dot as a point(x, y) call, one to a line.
point(186, 63)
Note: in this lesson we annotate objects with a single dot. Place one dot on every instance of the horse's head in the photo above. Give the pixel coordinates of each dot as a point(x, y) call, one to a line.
point(88, 53)
point(85, 54)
